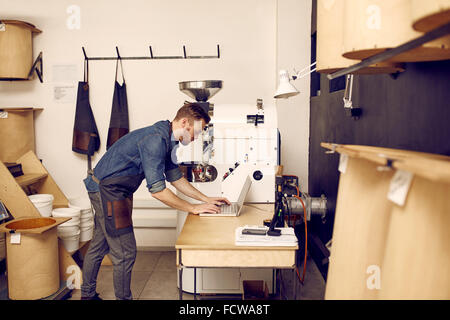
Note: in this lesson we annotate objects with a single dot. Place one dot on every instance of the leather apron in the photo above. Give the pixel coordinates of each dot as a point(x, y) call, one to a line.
point(86, 139)
point(119, 123)
point(117, 202)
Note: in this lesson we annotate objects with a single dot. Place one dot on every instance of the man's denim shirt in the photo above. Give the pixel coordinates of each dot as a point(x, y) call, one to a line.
point(147, 150)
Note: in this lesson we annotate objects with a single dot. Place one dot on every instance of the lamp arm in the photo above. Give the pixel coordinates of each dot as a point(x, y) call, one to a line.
point(299, 75)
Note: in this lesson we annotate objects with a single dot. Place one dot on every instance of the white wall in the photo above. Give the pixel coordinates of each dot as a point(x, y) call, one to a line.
point(247, 34)
point(294, 51)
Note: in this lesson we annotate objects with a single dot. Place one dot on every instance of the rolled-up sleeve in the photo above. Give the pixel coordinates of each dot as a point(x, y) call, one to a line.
point(152, 151)
point(174, 174)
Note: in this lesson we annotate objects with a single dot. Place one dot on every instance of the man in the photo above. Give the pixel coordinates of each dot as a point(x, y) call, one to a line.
point(143, 153)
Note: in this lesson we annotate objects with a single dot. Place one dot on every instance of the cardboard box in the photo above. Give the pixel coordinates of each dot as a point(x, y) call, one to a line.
point(255, 290)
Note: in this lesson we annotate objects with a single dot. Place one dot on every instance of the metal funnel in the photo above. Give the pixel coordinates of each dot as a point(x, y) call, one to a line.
point(201, 91)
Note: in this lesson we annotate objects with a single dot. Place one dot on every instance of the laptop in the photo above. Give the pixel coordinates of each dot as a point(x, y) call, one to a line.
point(233, 209)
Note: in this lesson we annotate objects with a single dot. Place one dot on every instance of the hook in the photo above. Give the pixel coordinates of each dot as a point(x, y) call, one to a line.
point(218, 51)
point(84, 52)
point(151, 52)
point(184, 51)
point(118, 54)
point(333, 149)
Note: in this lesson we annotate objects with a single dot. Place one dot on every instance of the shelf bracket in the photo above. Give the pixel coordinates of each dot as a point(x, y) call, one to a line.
point(37, 66)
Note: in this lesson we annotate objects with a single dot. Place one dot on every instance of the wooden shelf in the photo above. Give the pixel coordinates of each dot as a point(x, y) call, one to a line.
point(30, 178)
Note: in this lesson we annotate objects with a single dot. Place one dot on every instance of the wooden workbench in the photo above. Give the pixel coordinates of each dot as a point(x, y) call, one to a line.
point(209, 242)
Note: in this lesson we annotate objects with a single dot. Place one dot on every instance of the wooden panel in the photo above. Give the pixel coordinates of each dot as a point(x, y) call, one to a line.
point(19, 128)
point(30, 178)
point(31, 164)
point(417, 258)
point(53, 222)
point(238, 258)
point(360, 229)
point(13, 196)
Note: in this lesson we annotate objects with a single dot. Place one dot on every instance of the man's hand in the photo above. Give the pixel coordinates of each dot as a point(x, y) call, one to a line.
point(204, 207)
point(217, 201)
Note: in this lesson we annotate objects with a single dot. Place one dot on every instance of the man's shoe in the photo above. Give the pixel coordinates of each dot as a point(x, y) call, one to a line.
point(95, 297)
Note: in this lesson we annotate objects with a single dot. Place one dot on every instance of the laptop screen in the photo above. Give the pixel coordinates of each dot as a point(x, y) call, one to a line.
point(244, 191)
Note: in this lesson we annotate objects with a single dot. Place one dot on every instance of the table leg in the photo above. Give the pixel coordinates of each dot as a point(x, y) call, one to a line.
point(273, 282)
point(181, 283)
point(195, 283)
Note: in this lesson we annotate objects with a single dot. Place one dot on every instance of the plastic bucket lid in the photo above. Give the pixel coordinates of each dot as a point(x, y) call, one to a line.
point(43, 197)
point(66, 212)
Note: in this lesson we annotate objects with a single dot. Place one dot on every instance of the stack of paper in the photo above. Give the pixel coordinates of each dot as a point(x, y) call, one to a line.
point(286, 239)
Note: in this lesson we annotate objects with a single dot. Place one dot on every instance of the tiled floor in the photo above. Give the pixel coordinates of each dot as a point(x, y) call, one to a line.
point(154, 277)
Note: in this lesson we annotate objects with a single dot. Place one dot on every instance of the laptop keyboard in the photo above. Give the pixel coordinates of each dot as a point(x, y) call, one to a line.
point(229, 208)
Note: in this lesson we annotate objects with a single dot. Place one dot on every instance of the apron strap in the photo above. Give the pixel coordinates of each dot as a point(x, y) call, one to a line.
point(89, 165)
point(121, 68)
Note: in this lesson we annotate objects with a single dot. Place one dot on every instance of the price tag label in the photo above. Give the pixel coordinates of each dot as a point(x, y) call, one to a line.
point(343, 161)
point(399, 187)
point(15, 238)
point(3, 114)
point(2, 27)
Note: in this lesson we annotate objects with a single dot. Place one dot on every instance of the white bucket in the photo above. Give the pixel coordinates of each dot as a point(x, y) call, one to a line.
point(64, 231)
point(43, 202)
point(87, 215)
point(72, 222)
point(86, 223)
point(86, 234)
point(71, 243)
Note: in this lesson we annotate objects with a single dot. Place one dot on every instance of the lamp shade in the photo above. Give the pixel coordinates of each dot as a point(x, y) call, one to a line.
point(285, 88)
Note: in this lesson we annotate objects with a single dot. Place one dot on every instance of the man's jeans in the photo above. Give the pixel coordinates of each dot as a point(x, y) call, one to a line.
point(121, 249)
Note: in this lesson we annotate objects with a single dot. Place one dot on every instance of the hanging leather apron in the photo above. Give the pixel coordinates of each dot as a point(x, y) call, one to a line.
point(86, 139)
point(119, 123)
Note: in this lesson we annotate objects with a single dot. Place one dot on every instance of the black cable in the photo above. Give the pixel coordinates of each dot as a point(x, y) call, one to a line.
point(288, 210)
